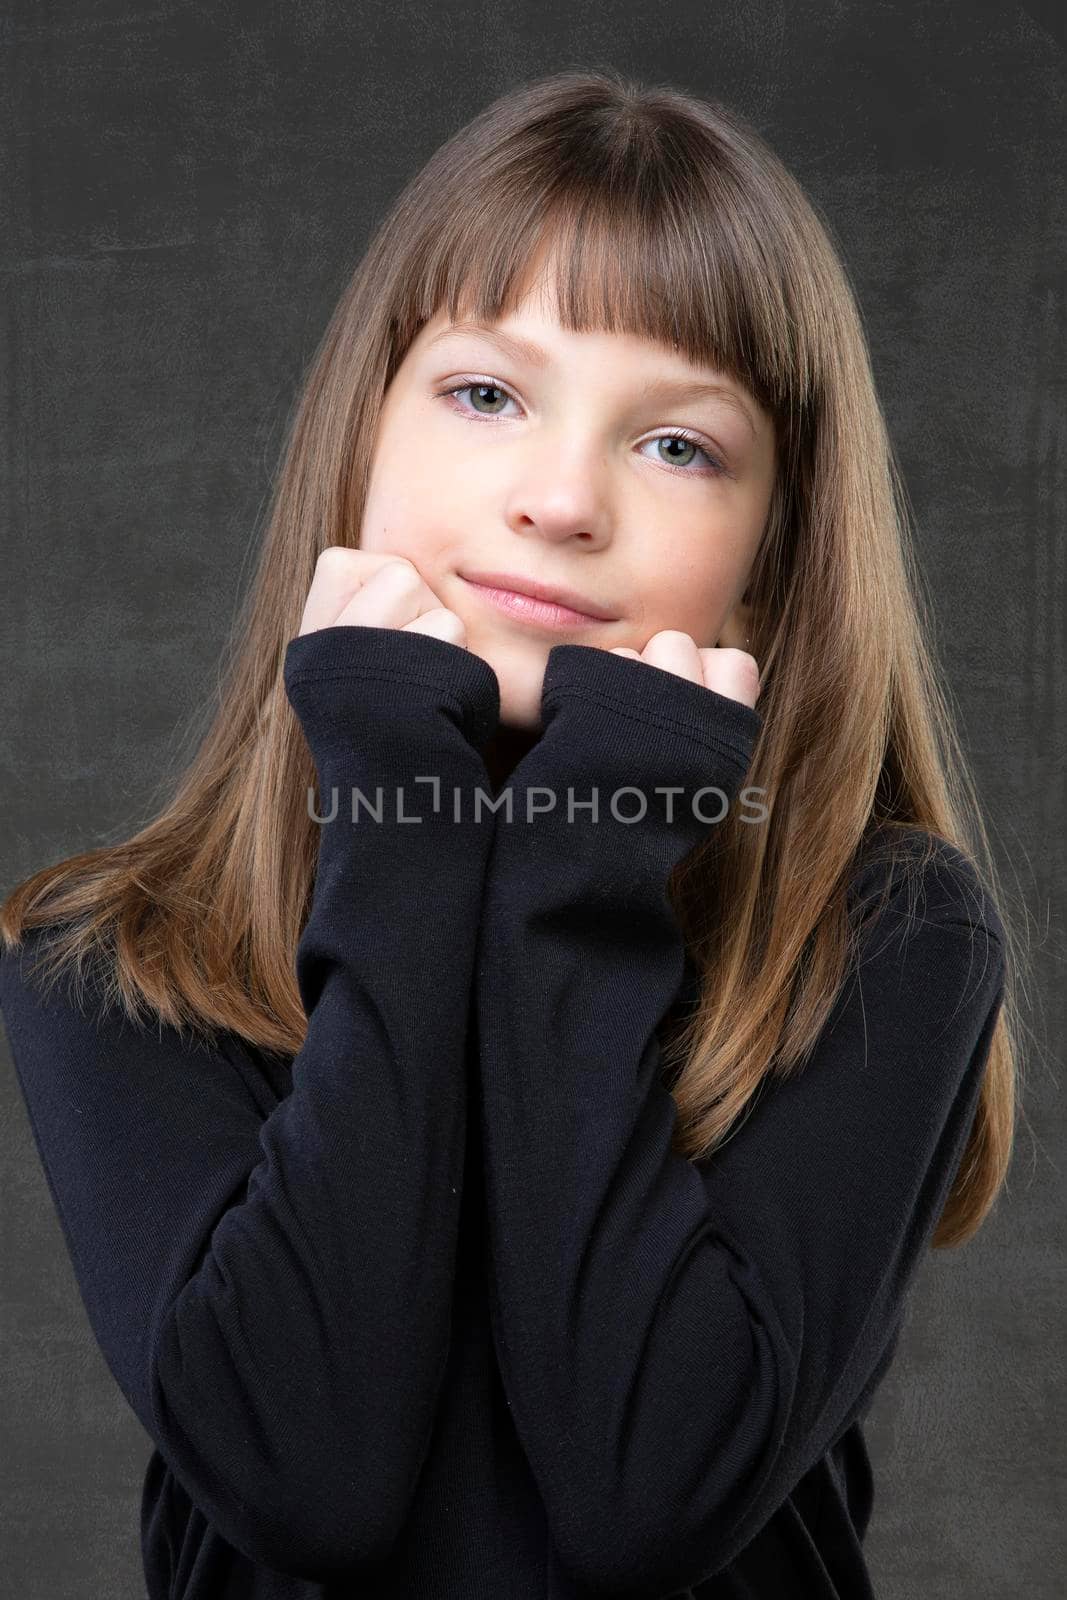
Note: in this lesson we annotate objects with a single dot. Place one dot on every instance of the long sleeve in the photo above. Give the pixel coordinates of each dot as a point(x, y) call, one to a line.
point(272, 1292)
point(681, 1341)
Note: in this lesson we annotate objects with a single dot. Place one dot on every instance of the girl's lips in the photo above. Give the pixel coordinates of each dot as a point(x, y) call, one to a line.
point(536, 613)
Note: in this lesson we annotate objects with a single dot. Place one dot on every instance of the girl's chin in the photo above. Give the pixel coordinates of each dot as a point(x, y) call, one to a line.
point(520, 684)
point(522, 717)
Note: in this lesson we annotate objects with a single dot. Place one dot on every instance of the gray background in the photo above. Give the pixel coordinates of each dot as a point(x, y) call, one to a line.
point(188, 188)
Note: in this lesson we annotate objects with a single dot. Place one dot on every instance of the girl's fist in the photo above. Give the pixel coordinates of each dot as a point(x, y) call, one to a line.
point(728, 671)
point(363, 587)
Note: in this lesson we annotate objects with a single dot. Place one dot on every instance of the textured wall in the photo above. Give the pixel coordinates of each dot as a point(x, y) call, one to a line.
point(188, 187)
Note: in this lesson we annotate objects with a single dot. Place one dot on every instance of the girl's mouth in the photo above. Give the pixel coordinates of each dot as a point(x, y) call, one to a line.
point(535, 613)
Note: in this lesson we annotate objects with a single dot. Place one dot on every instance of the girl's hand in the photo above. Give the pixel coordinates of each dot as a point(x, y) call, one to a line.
point(728, 671)
point(363, 587)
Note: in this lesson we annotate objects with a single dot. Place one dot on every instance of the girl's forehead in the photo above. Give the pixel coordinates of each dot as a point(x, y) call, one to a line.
point(532, 308)
point(534, 335)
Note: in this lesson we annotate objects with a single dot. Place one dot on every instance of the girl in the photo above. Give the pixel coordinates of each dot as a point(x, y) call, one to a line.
point(494, 1140)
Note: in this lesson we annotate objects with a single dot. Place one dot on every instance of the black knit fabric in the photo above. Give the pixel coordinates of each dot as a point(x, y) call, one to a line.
point(434, 1309)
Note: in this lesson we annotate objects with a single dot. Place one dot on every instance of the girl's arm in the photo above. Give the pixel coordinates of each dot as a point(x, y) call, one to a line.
point(272, 1292)
point(681, 1342)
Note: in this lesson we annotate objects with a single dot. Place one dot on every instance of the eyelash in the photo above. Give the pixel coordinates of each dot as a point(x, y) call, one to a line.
point(715, 467)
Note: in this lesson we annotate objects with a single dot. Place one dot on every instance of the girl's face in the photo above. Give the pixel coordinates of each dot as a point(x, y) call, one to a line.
point(551, 462)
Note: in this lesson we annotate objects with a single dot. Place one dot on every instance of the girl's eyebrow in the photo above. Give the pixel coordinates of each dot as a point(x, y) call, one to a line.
point(683, 389)
point(514, 347)
point(519, 349)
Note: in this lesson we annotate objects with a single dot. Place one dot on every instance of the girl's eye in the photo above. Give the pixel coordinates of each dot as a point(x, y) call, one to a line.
point(479, 388)
point(689, 443)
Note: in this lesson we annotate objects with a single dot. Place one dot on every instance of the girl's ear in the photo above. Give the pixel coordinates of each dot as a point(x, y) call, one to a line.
point(736, 631)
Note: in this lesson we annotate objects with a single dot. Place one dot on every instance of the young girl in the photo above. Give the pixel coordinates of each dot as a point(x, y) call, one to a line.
point(501, 1103)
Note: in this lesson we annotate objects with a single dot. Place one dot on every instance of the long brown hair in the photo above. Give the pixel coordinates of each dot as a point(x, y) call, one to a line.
point(670, 218)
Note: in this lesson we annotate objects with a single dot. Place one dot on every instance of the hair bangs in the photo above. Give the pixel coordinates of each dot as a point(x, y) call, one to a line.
point(642, 259)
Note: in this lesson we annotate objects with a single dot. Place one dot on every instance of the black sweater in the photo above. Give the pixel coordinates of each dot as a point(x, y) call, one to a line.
point(434, 1309)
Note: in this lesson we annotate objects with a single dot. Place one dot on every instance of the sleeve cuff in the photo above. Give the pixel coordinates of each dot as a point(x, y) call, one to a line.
point(652, 695)
point(425, 667)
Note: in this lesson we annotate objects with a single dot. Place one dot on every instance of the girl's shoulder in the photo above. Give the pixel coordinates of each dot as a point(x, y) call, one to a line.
point(914, 869)
point(67, 1018)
